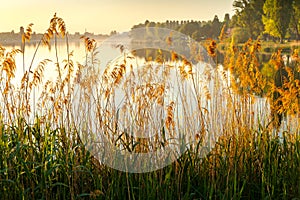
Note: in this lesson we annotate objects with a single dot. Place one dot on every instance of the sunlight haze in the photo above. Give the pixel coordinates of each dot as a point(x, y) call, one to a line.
point(103, 16)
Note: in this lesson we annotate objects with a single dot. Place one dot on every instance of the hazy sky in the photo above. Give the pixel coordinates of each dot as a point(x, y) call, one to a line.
point(103, 16)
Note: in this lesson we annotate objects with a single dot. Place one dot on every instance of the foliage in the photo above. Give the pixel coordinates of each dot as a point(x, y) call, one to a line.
point(255, 18)
point(277, 16)
point(249, 13)
point(295, 19)
point(240, 35)
point(196, 29)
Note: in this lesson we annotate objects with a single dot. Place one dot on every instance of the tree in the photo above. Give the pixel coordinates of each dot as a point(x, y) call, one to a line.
point(225, 24)
point(216, 27)
point(234, 21)
point(189, 28)
point(277, 16)
point(249, 15)
point(295, 19)
point(114, 32)
point(226, 20)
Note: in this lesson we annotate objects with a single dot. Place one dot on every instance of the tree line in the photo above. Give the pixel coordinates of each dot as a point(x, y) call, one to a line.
point(275, 20)
point(272, 19)
point(198, 30)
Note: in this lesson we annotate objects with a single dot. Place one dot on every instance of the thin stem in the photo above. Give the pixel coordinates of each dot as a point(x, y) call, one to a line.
point(69, 85)
point(57, 61)
point(23, 56)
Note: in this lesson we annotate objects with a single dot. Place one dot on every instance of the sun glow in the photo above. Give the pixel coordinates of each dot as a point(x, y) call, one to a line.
point(105, 16)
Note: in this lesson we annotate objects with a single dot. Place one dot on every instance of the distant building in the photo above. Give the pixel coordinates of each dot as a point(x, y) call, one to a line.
point(87, 34)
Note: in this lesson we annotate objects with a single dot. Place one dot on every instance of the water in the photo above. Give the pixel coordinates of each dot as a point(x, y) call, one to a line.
point(108, 53)
point(43, 53)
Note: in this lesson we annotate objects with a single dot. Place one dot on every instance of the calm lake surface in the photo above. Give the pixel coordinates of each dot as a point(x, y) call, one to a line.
point(107, 53)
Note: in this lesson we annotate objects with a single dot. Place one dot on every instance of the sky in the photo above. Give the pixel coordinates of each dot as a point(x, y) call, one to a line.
point(103, 16)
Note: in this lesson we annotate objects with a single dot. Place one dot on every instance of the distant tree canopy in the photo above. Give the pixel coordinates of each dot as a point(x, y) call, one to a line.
point(249, 16)
point(270, 19)
point(295, 20)
point(276, 18)
point(198, 30)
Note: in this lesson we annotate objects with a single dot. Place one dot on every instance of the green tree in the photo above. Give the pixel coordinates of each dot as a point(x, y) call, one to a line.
point(249, 16)
point(233, 22)
point(277, 16)
point(205, 30)
point(226, 20)
point(189, 28)
point(295, 19)
point(216, 27)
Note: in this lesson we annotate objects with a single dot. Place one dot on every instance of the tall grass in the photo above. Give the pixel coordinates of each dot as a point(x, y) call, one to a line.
point(44, 154)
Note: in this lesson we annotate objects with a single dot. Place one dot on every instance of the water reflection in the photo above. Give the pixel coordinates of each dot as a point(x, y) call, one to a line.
point(108, 51)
